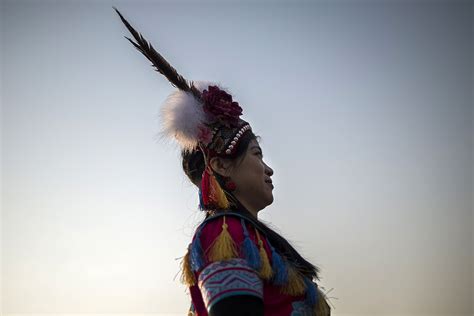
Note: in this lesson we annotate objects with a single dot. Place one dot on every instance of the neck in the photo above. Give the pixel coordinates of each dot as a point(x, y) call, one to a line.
point(241, 203)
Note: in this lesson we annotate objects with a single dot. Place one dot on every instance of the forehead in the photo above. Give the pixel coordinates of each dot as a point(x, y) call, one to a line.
point(253, 145)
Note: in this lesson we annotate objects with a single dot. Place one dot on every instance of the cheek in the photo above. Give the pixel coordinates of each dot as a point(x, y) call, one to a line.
point(251, 176)
point(258, 175)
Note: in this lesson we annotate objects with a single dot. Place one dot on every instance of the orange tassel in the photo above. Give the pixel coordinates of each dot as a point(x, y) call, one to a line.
point(216, 194)
point(266, 271)
point(321, 308)
point(295, 285)
point(187, 276)
point(223, 247)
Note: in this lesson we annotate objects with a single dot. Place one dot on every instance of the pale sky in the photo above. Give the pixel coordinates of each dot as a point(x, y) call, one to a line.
point(366, 117)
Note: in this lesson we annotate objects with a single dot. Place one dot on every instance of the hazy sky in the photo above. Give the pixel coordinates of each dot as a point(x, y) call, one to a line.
point(365, 112)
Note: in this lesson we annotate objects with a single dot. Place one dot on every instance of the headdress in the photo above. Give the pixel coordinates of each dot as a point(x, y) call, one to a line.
point(203, 116)
point(199, 115)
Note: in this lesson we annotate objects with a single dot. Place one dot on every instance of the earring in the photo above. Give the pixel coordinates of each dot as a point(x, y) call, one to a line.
point(230, 185)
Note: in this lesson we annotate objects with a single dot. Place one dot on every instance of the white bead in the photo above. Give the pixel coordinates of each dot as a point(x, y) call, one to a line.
point(227, 151)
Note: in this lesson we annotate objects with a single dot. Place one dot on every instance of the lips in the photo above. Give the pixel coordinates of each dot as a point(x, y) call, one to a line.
point(269, 182)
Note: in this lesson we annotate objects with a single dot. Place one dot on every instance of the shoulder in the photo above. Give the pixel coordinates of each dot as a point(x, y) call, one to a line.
point(212, 228)
point(231, 236)
point(222, 271)
point(231, 252)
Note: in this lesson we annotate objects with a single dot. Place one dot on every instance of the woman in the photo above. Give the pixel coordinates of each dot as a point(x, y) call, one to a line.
point(235, 264)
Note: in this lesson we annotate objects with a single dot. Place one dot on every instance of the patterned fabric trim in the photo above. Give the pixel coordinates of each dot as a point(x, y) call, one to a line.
point(228, 278)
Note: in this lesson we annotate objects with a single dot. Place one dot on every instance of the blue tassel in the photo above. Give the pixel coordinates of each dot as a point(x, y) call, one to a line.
point(201, 201)
point(197, 261)
point(311, 293)
point(279, 267)
point(250, 250)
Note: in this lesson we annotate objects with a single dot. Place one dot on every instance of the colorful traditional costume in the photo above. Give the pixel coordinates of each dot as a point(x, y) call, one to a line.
point(235, 265)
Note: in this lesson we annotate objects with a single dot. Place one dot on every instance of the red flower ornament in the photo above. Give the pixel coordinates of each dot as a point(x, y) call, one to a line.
point(219, 105)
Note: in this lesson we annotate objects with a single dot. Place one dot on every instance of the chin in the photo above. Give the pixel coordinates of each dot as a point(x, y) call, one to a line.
point(270, 200)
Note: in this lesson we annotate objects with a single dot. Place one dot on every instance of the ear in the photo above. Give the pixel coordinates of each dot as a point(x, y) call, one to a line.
point(221, 166)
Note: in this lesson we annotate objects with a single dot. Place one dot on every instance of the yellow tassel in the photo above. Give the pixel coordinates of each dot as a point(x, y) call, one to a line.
point(295, 285)
point(322, 307)
point(223, 247)
point(266, 270)
point(217, 194)
point(187, 276)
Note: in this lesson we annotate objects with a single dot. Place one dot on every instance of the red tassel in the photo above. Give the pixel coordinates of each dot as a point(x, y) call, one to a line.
point(212, 194)
point(205, 187)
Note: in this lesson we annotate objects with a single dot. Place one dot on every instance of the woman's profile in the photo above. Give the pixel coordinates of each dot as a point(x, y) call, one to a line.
point(234, 264)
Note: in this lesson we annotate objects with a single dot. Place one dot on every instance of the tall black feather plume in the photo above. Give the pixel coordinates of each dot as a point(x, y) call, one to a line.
point(158, 61)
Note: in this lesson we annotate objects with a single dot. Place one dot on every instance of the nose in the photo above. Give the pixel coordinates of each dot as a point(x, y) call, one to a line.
point(268, 170)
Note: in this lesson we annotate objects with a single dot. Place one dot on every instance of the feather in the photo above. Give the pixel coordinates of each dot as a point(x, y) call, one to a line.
point(158, 61)
point(182, 116)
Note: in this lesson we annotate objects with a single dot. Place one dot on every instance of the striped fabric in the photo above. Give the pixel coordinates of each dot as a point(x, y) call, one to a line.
point(228, 278)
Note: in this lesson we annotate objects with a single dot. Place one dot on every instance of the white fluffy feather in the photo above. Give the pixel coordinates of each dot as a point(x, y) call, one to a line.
point(181, 115)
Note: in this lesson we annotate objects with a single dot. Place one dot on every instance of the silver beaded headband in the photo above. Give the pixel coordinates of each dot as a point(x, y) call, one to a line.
point(229, 148)
point(236, 138)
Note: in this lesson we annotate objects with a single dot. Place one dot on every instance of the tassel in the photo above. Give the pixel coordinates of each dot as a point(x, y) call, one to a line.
point(201, 202)
point(205, 187)
point(250, 250)
point(295, 285)
point(311, 293)
point(212, 193)
point(187, 276)
point(216, 194)
point(266, 271)
point(197, 261)
point(223, 247)
point(321, 308)
point(279, 267)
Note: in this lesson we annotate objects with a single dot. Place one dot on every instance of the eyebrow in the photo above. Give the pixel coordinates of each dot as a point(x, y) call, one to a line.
point(255, 146)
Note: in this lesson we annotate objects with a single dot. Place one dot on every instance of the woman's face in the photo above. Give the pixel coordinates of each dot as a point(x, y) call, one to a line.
point(252, 179)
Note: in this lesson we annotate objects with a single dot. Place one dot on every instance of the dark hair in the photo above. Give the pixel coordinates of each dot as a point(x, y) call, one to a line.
point(193, 166)
point(193, 161)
